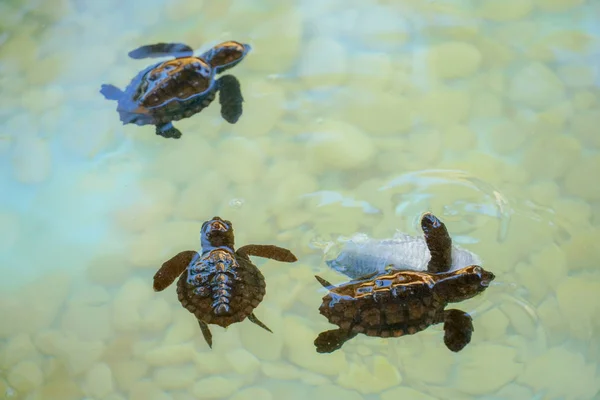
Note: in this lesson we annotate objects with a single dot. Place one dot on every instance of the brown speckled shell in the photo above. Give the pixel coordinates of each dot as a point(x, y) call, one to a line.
point(246, 295)
point(393, 311)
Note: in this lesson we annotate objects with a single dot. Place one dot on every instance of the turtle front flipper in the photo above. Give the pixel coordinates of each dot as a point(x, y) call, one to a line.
point(171, 269)
point(257, 321)
point(439, 243)
point(267, 251)
point(330, 341)
point(111, 92)
point(161, 50)
point(206, 332)
point(458, 328)
point(168, 131)
point(230, 98)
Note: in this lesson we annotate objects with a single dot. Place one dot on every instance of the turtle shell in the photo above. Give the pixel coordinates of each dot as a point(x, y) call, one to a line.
point(388, 305)
point(168, 91)
point(221, 287)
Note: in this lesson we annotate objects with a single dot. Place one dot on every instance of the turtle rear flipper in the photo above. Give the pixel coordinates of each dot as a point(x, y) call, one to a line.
point(458, 328)
point(206, 332)
point(230, 98)
point(258, 322)
point(171, 269)
point(330, 341)
point(161, 50)
point(168, 131)
point(111, 92)
point(439, 243)
point(267, 251)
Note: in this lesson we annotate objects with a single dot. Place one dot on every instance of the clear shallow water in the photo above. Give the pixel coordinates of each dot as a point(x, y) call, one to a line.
point(358, 117)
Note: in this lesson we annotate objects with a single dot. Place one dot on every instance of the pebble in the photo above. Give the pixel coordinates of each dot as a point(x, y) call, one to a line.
point(536, 86)
point(558, 5)
point(252, 393)
point(381, 376)
point(486, 368)
point(369, 72)
point(458, 138)
point(583, 125)
point(182, 328)
point(506, 136)
point(18, 348)
point(276, 39)
point(215, 387)
point(88, 322)
point(31, 159)
point(280, 370)
point(36, 305)
point(169, 355)
point(175, 377)
point(335, 392)
point(452, 60)
point(324, 64)
point(581, 249)
point(577, 75)
point(520, 320)
point(579, 181)
point(402, 392)
point(494, 323)
point(551, 156)
point(394, 114)
point(432, 365)
point(126, 373)
point(544, 192)
point(381, 28)
point(25, 376)
point(98, 381)
point(261, 95)
point(146, 390)
point(128, 302)
point(246, 160)
point(444, 107)
point(151, 205)
point(560, 373)
point(339, 145)
point(265, 346)
point(510, 10)
point(301, 351)
point(242, 361)
point(577, 306)
point(156, 315)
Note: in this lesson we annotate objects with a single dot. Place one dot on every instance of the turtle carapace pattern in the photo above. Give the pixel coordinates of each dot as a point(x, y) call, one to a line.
point(404, 302)
point(180, 87)
point(219, 284)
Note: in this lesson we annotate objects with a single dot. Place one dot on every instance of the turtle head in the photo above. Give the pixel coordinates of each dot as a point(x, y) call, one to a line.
point(216, 233)
point(226, 55)
point(463, 283)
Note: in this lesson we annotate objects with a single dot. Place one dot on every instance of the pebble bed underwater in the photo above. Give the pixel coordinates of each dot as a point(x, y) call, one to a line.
point(359, 115)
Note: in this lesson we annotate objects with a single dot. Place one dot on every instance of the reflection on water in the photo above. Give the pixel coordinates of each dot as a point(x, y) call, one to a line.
point(484, 113)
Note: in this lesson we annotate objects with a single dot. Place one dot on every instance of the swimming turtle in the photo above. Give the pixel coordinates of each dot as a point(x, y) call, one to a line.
point(219, 285)
point(404, 302)
point(181, 87)
point(362, 255)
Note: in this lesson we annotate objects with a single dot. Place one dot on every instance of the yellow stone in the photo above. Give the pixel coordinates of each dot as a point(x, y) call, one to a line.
point(454, 60)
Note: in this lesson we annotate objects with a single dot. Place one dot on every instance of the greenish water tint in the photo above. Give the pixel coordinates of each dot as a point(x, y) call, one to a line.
point(358, 117)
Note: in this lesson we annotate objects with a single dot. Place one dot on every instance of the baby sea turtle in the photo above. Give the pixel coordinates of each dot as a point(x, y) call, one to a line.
point(179, 88)
point(221, 285)
point(404, 302)
point(362, 255)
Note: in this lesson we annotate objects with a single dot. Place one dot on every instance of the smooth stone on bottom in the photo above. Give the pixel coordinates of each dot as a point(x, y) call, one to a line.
point(380, 376)
point(252, 393)
point(560, 373)
point(486, 368)
point(407, 393)
point(215, 387)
